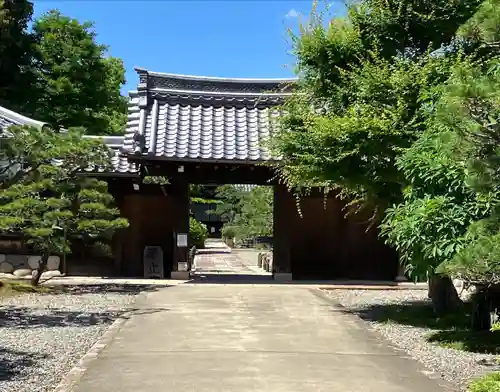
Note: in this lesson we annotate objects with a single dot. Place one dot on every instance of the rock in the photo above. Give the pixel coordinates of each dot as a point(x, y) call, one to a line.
point(21, 273)
point(2, 258)
point(6, 276)
point(51, 274)
point(6, 268)
point(18, 261)
point(34, 262)
point(53, 263)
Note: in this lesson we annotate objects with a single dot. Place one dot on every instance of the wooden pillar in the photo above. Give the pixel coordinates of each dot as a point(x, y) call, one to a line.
point(282, 269)
point(180, 194)
point(132, 252)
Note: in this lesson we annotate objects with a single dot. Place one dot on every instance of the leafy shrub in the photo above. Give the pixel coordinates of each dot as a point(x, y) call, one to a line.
point(198, 233)
point(479, 260)
point(228, 231)
point(487, 383)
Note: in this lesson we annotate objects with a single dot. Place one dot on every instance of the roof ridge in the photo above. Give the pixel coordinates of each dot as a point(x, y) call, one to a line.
point(140, 70)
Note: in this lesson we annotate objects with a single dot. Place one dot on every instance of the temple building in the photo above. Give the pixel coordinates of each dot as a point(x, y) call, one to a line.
point(204, 130)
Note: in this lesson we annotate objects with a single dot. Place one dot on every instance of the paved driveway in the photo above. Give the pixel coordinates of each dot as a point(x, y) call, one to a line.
point(238, 337)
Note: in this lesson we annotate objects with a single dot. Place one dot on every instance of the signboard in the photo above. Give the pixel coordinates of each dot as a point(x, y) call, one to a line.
point(153, 262)
point(182, 240)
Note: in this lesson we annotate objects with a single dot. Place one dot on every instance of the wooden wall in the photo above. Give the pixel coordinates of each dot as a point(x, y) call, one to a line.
point(154, 218)
point(323, 244)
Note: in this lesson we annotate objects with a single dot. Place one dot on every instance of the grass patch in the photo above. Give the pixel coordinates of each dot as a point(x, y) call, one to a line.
point(450, 331)
point(488, 383)
point(483, 342)
point(15, 288)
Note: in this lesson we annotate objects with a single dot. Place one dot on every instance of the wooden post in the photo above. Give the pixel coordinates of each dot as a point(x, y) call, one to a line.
point(282, 269)
point(180, 194)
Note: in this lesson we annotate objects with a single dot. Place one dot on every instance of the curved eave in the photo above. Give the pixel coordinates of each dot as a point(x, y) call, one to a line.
point(215, 79)
point(19, 119)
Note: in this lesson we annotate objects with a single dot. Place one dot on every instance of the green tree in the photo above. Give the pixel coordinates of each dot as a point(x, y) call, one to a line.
point(77, 85)
point(247, 214)
point(231, 198)
point(256, 216)
point(49, 201)
point(369, 84)
point(16, 52)
point(427, 228)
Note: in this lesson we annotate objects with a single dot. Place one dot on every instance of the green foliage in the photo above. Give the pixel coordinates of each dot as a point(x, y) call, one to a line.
point(371, 95)
point(483, 27)
point(57, 72)
point(247, 214)
point(202, 200)
point(77, 85)
point(231, 202)
point(487, 383)
point(380, 116)
point(479, 260)
point(49, 200)
point(229, 232)
point(158, 180)
point(427, 227)
point(472, 107)
point(198, 233)
point(16, 48)
point(408, 26)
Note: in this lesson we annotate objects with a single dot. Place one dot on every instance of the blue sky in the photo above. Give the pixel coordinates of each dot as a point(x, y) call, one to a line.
point(229, 38)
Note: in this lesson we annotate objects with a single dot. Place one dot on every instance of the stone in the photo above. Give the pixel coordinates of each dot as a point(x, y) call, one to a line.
point(34, 262)
point(2, 258)
point(22, 272)
point(6, 276)
point(153, 262)
point(18, 261)
point(51, 274)
point(6, 268)
point(53, 263)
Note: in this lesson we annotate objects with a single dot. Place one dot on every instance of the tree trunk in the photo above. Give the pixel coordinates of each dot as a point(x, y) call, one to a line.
point(37, 273)
point(443, 295)
point(481, 313)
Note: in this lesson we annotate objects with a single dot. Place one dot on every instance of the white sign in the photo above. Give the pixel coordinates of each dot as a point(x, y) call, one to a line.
point(153, 262)
point(182, 240)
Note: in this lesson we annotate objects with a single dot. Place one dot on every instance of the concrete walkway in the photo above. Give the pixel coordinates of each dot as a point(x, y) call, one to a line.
point(238, 338)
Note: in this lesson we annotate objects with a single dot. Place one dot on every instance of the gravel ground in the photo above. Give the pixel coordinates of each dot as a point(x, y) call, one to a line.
point(42, 336)
point(455, 366)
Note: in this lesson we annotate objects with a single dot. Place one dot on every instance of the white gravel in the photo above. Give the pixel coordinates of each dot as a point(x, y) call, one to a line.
point(455, 366)
point(42, 336)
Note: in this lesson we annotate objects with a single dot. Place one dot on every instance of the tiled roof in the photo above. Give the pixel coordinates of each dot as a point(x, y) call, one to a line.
point(8, 118)
point(178, 117)
point(120, 163)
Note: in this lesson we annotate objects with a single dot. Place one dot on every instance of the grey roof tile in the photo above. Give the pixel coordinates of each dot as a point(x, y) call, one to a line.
point(203, 118)
point(9, 118)
point(120, 162)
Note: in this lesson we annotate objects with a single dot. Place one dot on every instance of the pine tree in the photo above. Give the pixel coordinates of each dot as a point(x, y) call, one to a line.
point(50, 200)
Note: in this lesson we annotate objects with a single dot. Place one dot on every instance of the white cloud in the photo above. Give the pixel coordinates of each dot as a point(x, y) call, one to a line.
point(292, 14)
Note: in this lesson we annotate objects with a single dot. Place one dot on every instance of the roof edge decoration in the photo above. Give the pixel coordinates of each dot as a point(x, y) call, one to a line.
point(156, 81)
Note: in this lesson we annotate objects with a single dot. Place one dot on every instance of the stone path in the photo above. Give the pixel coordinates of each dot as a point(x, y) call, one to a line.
point(207, 337)
point(218, 258)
